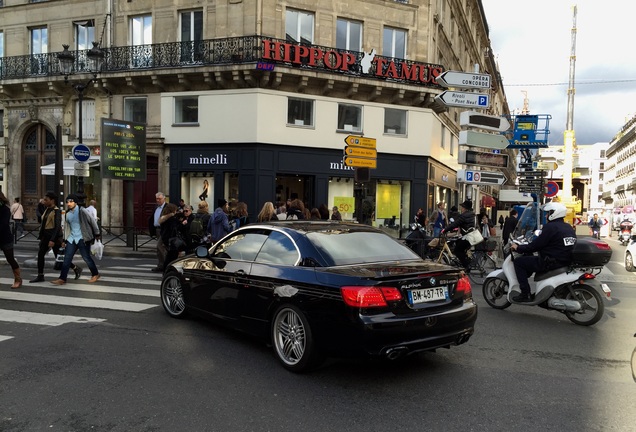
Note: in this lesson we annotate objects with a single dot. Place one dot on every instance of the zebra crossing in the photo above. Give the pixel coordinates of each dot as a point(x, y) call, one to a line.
point(137, 283)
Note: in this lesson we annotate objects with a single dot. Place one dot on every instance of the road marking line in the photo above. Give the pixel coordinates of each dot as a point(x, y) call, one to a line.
point(103, 278)
point(76, 301)
point(42, 318)
point(4, 338)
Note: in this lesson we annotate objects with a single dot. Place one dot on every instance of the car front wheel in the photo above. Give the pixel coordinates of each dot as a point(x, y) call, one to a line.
point(629, 262)
point(172, 295)
point(293, 340)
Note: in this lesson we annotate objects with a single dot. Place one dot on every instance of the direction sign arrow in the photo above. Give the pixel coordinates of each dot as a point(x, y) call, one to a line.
point(464, 80)
point(463, 99)
point(360, 151)
point(484, 140)
point(480, 177)
point(483, 121)
point(358, 162)
point(359, 141)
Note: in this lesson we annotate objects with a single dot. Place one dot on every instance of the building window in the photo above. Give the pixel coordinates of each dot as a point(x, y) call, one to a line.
point(442, 140)
point(88, 118)
point(394, 43)
point(191, 36)
point(39, 50)
point(135, 109)
point(1, 122)
point(1, 51)
point(300, 112)
point(349, 118)
point(140, 36)
point(299, 26)
point(84, 34)
point(348, 35)
point(186, 110)
point(394, 121)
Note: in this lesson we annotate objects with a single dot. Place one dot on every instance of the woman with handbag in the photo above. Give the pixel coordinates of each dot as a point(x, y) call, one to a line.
point(466, 224)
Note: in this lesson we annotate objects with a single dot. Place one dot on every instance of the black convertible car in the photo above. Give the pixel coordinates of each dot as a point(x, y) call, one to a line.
point(316, 289)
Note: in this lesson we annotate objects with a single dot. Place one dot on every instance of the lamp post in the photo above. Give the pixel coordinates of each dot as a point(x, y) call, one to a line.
point(95, 58)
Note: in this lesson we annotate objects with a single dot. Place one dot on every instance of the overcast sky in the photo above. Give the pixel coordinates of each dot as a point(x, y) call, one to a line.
point(532, 43)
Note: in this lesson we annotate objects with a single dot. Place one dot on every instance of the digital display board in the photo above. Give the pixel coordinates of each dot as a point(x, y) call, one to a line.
point(123, 150)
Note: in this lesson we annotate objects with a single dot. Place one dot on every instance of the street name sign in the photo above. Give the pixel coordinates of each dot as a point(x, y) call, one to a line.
point(530, 190)
point(483, 140)
point(548, 166)
point(483, 121)
point(360, 162)
point(361, 152)
point(472, 157)
point(480, 177)
point(360, 141)
point(466, 80)
point(464, 99)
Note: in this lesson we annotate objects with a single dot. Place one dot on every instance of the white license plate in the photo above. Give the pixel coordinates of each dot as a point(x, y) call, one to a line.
point(606, 289)
point(428, 295)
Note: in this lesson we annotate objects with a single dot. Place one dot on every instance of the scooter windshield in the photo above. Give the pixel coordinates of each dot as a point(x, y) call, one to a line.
point(528, 222)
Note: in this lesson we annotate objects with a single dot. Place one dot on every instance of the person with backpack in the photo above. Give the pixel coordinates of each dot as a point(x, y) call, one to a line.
point(199, 234)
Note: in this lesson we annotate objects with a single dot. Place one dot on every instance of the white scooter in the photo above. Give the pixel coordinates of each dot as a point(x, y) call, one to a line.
point(572, 290)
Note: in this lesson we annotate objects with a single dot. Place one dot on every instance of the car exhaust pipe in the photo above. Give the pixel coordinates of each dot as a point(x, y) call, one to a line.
point(396, 353)
point(463, 338)
point(564, 305)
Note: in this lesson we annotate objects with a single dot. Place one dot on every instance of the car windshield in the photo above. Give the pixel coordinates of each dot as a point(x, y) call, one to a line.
point(354, 247)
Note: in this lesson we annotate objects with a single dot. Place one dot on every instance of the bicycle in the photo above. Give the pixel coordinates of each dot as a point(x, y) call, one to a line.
point(481, 260)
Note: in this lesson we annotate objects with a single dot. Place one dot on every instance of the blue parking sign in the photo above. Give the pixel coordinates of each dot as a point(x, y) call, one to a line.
point(469, 176)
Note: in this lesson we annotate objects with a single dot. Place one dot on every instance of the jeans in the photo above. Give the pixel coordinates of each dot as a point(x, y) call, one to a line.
point(69, 252)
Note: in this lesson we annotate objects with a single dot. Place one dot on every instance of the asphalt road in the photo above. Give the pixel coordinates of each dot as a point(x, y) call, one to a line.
point(126, 366)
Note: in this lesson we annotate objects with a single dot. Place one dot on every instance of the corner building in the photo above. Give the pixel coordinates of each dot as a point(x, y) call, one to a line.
point(249, 100)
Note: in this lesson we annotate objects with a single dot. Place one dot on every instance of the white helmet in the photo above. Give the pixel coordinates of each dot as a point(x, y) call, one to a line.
point(555, 210)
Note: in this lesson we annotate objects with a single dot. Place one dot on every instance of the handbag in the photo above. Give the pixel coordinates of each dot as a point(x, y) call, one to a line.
point(493, 231)
point(97, 249)
point(473, 237)
point(176, 242)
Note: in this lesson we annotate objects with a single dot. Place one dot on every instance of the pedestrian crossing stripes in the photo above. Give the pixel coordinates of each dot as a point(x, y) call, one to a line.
point(134, 282)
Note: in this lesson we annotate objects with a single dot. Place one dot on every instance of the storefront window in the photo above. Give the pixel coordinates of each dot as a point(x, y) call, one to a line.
point(196, 187)
point(341, 195)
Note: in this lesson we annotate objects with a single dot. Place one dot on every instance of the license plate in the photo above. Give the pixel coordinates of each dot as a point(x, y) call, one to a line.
point(606, 289)
point(428, 295)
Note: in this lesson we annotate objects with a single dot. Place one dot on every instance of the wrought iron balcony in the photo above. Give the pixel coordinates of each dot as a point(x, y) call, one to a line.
point(206, 53)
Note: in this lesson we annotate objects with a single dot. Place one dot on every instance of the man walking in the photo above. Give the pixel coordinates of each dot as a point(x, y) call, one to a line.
point(50, 235)
point(80, 232)
point(160, 199)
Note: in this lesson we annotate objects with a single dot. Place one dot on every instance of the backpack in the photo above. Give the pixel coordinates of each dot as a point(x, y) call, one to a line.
point(196, 229)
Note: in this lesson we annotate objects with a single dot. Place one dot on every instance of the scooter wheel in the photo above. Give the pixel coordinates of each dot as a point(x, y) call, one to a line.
point(592, 306)
point(495, 292)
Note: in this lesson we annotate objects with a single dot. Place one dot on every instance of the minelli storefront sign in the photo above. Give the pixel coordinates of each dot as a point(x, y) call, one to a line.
point(348, 62)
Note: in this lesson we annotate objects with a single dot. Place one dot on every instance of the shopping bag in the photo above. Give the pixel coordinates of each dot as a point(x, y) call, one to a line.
point(97, 249)
point(59, 260)
point(473, 237)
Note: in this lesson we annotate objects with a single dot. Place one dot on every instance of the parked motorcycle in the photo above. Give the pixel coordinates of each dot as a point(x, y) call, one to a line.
point(418, 239)
point(626, 232)
point(572, 290)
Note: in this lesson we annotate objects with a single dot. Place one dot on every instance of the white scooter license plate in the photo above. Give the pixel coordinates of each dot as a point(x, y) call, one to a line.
point(606, 290)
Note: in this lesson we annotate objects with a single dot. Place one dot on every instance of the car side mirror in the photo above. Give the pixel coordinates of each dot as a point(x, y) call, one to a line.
point(201, 252)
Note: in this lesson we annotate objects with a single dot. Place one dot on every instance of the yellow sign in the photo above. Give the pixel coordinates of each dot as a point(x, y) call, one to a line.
point(549, 166)
point(387, 198)
point(360, 151)
point(345, 204)
point(358, 141)
point(361, 163)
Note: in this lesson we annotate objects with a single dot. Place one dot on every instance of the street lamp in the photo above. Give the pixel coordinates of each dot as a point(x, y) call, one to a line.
point(95, 58)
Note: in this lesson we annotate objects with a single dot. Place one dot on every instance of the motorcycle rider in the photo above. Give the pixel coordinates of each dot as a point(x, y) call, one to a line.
point(554, 245)
point(595, 226)
point(465, 221)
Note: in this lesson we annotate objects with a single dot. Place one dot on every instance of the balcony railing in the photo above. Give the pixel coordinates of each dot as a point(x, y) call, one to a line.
point(227, 51)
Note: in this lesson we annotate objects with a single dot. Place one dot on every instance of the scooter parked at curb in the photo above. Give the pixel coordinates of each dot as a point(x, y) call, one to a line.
point(572, 290)
point(625, 232)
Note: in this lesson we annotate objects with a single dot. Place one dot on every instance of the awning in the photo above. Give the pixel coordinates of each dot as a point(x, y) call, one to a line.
point(69, 166)
point(488, 201)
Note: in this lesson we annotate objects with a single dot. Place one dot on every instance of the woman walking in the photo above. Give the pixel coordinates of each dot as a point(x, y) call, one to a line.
point(6, 240)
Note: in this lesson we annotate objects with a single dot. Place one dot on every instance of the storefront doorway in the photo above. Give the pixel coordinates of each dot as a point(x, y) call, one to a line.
point(295, 186)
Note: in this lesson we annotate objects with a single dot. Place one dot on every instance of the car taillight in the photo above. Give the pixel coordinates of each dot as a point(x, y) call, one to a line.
point(367, 297)
point(463, 286)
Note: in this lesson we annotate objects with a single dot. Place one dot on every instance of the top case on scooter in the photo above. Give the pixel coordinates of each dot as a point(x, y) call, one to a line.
point(591, 252)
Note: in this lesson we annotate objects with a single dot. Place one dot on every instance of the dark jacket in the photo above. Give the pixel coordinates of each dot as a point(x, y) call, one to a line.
point(5, 226)
point(51, 225)
point(465, 221)
point(509, 227)
point(554, 245)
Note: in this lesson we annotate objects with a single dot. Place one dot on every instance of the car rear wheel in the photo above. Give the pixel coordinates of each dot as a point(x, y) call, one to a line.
point(172, 295)
point(629, 262)
point(293, 340)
